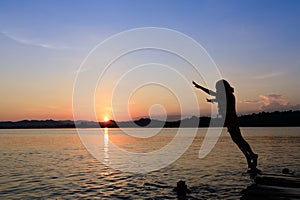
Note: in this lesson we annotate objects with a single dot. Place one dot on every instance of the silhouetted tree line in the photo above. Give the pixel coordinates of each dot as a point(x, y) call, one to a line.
point(271, 119)
point(262, 119)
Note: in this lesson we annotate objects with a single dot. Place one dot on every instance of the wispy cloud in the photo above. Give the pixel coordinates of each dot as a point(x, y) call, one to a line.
point(273, 102)
point(268, 75)
point(32, 42)
point(251, 101)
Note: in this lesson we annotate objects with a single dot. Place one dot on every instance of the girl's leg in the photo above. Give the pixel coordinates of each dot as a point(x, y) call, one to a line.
point(244, 147)
point(253, 156)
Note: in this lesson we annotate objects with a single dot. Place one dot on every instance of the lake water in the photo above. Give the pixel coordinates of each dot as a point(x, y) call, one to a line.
point(54, 164)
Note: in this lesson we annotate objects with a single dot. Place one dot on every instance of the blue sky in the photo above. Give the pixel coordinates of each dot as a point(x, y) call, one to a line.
point(255, 44)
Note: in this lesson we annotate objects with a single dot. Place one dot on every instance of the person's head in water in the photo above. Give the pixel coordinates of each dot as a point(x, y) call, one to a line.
point(222, 85)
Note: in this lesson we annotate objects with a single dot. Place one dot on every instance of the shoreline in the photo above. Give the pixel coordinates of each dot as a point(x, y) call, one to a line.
point(262, 119)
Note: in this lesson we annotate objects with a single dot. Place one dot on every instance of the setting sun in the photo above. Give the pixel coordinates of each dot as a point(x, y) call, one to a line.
point(106, 119)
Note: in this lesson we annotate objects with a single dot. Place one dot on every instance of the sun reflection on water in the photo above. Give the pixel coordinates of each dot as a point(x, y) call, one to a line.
point(106, 147)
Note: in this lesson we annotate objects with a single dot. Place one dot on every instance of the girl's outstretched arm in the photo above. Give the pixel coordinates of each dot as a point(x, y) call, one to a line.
point(210, 92)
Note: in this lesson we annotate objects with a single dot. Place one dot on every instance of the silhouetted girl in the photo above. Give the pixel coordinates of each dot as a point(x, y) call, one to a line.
point(226, 107)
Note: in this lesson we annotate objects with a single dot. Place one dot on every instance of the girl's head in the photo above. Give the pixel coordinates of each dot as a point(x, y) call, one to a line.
point(224, 85)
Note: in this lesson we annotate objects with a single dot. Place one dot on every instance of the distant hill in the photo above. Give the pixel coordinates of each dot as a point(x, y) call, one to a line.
point(38, 124)
point(262, 119)
point(271, 119)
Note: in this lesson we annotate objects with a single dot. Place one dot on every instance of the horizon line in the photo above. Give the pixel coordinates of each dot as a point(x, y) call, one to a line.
point(145, 117)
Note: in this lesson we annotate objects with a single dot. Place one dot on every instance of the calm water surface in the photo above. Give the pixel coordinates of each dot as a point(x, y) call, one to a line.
point(53, 164)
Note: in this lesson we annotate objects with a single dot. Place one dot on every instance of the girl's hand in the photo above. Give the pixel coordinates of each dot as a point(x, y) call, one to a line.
point(196, 85)
point(209, 100)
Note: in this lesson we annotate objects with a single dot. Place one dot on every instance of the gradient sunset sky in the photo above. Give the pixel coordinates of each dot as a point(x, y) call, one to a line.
point(255, 44)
